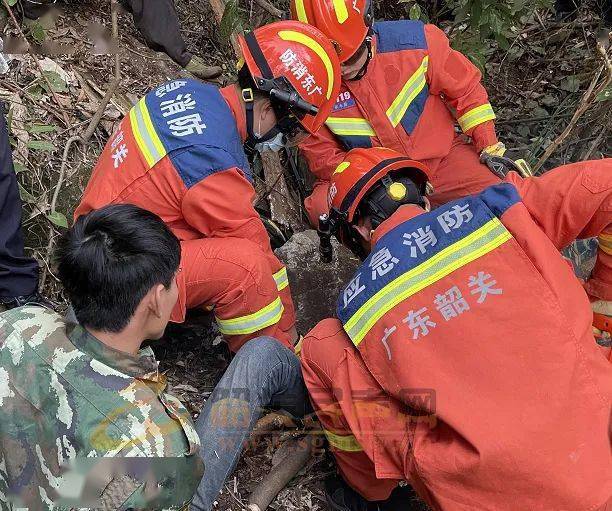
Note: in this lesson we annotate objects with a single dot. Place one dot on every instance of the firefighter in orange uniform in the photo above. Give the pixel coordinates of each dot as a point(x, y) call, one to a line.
point(463, 359)
point(404, 88)
point(181, 154)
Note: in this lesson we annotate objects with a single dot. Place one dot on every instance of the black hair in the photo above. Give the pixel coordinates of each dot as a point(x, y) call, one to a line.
point(110, 259)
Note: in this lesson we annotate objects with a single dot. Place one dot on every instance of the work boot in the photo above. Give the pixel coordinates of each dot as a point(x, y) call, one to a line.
point(200, 70)
point(19, 301)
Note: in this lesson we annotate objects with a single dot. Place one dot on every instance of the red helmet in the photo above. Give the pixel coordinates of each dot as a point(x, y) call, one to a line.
point(345, 22)
point(297, 65)
point(362, 169)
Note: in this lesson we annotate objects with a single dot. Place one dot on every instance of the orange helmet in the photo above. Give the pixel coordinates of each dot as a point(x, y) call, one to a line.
point(363, 168)
point(347, 23)
point(381, 177)
point(298, 67)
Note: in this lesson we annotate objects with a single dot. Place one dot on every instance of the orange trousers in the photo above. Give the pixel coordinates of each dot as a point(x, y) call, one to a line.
point(246, 289)
point(457, 175)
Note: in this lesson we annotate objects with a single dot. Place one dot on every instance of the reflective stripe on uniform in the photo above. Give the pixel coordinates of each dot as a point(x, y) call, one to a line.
point(605, 243)
point(415, 84)
point(146, 137)
point(343, 442)
point(476, 116)
point(349, 126)
point(485, 239)
point(281, 279)
point(251, 323)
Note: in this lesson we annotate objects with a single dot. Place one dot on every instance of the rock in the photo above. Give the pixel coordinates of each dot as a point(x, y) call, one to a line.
point(315, 286)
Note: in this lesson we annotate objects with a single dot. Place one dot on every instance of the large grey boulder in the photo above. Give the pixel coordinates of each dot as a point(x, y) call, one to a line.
point(315, 286)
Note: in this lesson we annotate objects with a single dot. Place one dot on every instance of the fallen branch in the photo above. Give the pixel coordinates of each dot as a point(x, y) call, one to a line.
point(42, 71)
point(588, 99)
point(281, 474)
point(267, 6)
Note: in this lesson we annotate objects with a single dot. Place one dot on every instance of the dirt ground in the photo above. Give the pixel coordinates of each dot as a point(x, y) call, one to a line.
point(535, 87)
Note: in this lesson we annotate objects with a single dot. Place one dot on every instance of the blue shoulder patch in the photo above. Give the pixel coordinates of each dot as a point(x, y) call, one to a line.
point(500, 197)
point(197, 129)
point(400, 35)
point(197, 162)
point(417, 240)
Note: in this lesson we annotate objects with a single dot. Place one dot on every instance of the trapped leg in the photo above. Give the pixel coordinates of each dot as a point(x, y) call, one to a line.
point(262, 374)
point(158, 23)
point(18, 274)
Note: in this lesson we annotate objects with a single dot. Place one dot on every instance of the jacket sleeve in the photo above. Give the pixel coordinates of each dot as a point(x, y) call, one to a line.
point(221, 205)
point(325, 368)
point(451, 74)
point(575, 202)
point(323, 153)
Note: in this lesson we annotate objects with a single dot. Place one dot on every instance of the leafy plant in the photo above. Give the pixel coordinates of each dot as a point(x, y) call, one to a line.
point(480, 22)
point(494, 19)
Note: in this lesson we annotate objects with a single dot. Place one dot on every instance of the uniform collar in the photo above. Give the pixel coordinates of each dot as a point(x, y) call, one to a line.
point(230, 94)
point(143, 365)
point(403, 214)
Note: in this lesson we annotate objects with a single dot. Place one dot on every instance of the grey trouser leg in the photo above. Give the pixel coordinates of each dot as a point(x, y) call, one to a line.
point(263, 374)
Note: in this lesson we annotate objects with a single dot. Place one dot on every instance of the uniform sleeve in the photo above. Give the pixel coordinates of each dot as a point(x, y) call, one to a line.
point(323, 153)
point(321, 357)
point(575, 202)
point(451, 74)
point(221, 206)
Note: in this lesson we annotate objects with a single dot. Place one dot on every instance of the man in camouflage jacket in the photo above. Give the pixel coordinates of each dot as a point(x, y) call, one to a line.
point(84, 416)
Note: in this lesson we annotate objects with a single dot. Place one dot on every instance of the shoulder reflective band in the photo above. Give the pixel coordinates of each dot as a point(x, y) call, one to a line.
point(251, 323)
point(281, 279)
point(309, 42)
point(346, 443)
point(356, 189)
point(258, 56)
point(482, 241)
point(411, 89)
point(144, 132)
point(476, 116)
point(605, 243)
point(300, 11)
point(350, 127)
point(341, 12)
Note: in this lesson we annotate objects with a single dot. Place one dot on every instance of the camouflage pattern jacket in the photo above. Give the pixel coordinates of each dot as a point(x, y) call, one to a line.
point(83, 425)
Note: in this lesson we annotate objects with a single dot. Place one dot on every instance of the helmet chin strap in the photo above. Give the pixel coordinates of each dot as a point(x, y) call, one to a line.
point(364, 69)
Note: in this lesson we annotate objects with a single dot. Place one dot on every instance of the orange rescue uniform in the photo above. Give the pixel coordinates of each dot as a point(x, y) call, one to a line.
point(415, 89)
point(463, 359)
point(179, 154)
